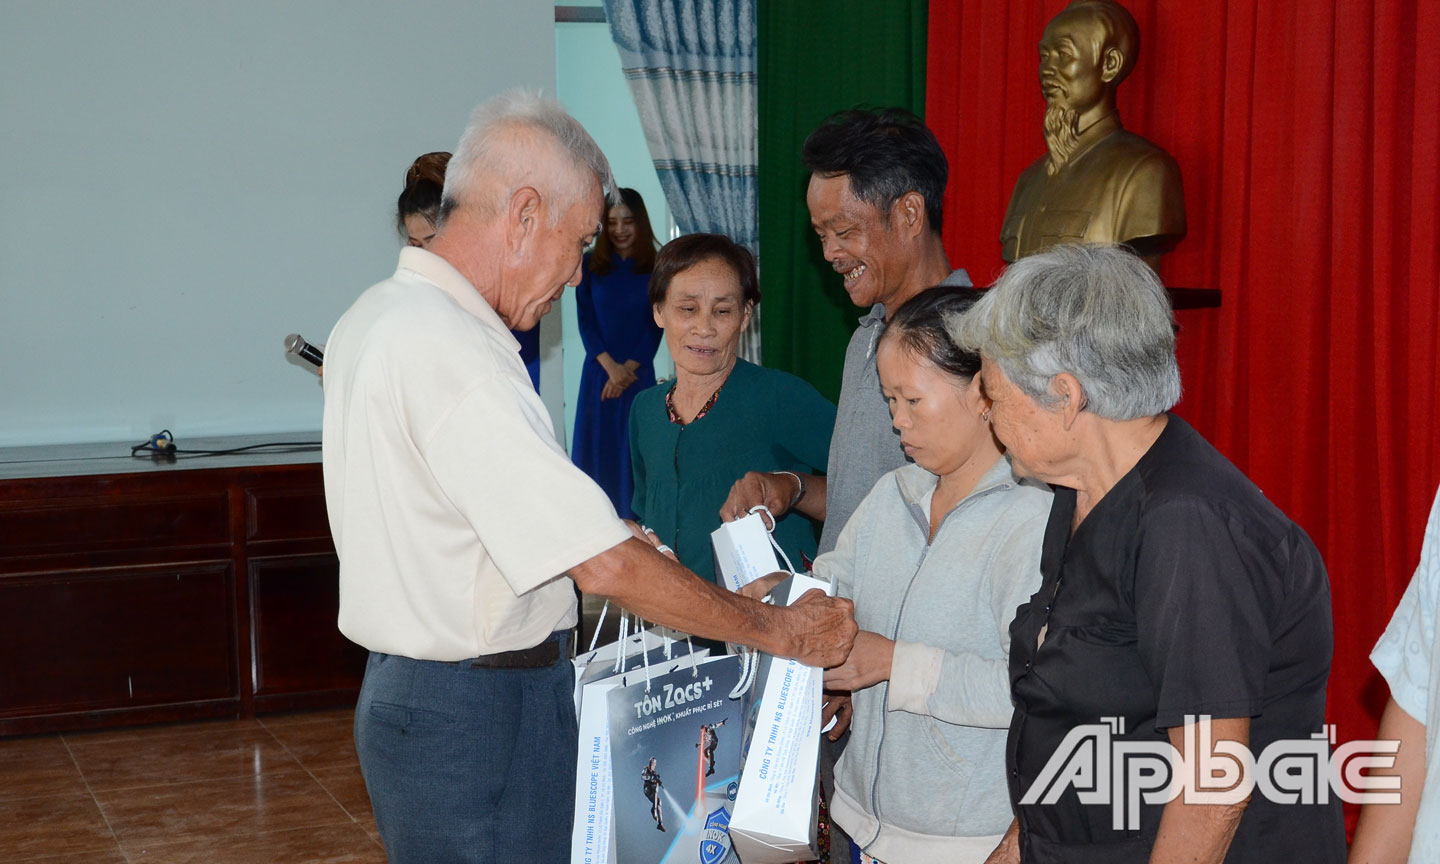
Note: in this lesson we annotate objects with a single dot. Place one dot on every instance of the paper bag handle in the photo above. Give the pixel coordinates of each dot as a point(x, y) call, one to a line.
point(749, 666)
point(624, 636)
point(595, 637)
point(770, 533)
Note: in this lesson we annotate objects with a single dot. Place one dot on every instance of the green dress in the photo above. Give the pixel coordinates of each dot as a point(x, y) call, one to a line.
point(761, 420)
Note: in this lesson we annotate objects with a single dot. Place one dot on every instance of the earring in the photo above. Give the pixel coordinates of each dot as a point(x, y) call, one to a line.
point(985, 416)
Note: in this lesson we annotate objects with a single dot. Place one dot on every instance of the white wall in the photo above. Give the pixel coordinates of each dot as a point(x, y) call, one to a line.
point(185, 183)
point(588, 79)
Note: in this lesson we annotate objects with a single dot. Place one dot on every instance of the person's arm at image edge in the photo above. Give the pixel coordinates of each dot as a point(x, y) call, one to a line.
point(1383, 834)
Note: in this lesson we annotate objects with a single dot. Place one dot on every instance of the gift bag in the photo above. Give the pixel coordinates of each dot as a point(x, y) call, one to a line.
point(675, 758)
point(744, 551)
point(592, 838)
point(774, 817)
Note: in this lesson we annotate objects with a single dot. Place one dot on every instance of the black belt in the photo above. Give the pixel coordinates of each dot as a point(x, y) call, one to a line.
point(545, 654)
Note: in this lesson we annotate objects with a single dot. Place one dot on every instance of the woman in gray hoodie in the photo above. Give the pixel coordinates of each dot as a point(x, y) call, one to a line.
point(936, 560)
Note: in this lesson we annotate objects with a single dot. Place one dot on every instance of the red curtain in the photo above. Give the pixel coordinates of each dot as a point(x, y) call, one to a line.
point(1308, 135)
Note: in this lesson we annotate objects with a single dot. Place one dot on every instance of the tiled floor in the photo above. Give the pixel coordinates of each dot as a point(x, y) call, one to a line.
point(283, 789)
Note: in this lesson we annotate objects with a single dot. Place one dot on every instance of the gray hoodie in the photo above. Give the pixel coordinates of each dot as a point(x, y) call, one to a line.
point(925, 766)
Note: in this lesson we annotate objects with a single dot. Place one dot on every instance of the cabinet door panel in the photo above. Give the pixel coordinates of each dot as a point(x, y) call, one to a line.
point(96, 524)
point(116, 639)
point(285, 513)
point(298, 648)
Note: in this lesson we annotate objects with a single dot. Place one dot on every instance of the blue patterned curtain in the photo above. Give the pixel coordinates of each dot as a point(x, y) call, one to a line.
point(691, 69)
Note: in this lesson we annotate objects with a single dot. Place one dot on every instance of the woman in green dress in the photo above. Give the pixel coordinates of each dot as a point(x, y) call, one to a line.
point(692, 438)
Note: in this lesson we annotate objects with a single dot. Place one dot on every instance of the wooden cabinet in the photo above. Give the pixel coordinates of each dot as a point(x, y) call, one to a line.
point(136, 592)
point(77, 642)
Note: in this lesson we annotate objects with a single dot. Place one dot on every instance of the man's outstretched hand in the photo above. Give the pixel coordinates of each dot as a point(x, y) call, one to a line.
point(822, 629)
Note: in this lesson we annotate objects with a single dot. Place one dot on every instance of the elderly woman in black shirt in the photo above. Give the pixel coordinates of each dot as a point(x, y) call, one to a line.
point(1173, 595)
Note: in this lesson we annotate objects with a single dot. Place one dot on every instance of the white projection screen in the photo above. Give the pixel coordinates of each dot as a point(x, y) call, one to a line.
point(183, 184)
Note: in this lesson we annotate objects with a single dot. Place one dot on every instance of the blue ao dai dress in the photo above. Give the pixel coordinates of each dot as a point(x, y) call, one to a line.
point(615, 318)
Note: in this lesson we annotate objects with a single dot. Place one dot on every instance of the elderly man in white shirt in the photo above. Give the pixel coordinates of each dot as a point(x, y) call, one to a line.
point(457, 517)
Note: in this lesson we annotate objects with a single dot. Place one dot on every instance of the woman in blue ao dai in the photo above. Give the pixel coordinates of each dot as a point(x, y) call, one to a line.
point(621, 337)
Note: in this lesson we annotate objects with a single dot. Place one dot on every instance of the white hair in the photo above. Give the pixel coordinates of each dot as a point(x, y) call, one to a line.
point(500, 146)
point(1095, 311)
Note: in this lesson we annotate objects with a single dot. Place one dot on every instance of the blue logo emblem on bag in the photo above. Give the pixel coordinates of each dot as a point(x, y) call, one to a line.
point(715, 839)
point(732, 790)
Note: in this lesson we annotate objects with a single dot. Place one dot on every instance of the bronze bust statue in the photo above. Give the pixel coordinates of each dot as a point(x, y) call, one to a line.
point(1099, 183)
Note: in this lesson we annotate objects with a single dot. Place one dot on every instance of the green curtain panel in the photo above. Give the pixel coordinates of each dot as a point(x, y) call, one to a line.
point(816, 58)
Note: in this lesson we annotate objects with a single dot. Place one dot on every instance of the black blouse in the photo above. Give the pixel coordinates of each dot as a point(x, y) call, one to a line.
point(1183, 592)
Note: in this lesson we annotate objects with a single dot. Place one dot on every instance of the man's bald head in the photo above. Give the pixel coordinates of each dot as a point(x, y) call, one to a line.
point(518, 140)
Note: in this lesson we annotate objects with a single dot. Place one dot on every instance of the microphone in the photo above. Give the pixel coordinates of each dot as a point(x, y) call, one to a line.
point(296, 344)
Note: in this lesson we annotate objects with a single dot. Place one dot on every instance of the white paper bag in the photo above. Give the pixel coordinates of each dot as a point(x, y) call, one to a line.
point(675, 759)
point(774, 818)
point(743, 552)
point(592, 837)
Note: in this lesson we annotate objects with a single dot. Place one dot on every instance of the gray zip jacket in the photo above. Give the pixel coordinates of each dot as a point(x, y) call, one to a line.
point(925, 766)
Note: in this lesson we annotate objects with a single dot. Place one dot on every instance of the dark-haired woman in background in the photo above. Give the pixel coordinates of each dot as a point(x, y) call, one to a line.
point(621, 337)
point(691, 440)
point(417, 215)
point(418, 210)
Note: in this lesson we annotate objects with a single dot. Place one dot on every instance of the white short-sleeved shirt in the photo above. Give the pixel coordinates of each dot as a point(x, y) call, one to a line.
point(1408, 655)
point(453, 508)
